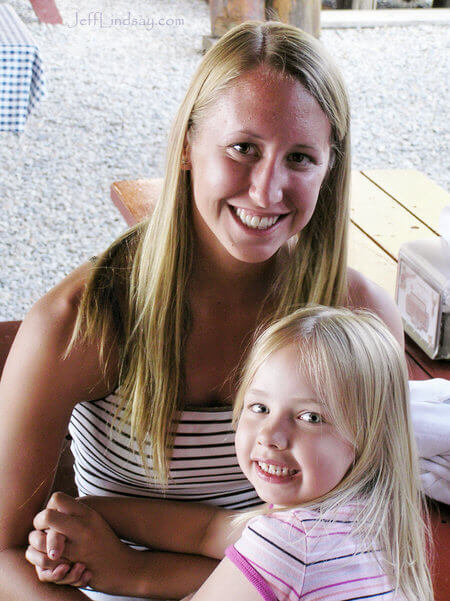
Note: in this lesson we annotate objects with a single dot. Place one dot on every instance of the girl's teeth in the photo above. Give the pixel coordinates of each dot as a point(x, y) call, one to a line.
point(256, 223)
point(276, 470)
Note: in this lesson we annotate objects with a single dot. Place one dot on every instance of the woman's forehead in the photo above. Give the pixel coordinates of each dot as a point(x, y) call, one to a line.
point(264, 97)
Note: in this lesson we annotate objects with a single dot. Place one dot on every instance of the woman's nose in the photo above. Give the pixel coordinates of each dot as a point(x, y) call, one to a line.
point(273, 434)
point(267, 181)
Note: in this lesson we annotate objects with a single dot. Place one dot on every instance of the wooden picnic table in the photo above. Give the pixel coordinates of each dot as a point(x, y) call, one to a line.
point(388, 208)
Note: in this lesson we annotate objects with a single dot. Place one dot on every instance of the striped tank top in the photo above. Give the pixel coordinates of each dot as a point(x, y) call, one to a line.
point(203, 467)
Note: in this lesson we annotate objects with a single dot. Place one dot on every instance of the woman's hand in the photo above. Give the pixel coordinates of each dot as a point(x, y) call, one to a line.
point(76, 546)
point(46, 553)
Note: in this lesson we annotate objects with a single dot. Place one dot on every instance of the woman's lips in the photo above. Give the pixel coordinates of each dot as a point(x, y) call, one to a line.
point(255, 230)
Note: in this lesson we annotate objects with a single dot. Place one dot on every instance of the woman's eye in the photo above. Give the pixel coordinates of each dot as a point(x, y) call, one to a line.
point(311, 417)
point(243, 148)
point(258, 408)
point(299, 159)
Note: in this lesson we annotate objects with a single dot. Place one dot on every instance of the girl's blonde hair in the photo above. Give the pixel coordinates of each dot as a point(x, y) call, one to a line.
point(138, 289)
point(358, 371)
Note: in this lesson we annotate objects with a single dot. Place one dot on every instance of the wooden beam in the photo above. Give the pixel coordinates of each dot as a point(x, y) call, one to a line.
point(304, 14)
point(356, 4)
point(225, 14)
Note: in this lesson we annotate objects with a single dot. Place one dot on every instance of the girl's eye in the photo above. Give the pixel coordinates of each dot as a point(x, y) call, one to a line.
point(258, 408)
point(311, 417)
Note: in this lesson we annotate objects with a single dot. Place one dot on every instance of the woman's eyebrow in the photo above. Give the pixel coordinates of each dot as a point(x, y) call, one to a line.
point(247, 132)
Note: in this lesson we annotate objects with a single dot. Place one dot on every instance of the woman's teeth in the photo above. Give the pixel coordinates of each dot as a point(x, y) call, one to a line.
point(256, 223)
point(276, 470)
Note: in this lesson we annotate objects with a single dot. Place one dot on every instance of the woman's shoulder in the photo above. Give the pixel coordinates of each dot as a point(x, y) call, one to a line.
point(365, 294)
point(48, 328)
point(57, 310)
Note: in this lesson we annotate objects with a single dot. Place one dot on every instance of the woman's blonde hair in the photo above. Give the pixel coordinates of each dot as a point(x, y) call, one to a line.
point(138, 288)
point(358, 371)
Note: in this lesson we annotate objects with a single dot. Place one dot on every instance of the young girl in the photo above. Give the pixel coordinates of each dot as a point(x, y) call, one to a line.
point(324, 436)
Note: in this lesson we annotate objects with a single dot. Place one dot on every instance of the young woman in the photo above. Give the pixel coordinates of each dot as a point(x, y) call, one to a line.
point(324, 435)
point(252, 222)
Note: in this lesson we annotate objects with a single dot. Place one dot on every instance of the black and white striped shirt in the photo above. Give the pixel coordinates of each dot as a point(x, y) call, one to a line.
point(203, 468)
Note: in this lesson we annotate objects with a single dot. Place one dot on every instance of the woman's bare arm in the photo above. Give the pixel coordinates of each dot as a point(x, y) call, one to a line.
point(365, 294)
point(38, 391)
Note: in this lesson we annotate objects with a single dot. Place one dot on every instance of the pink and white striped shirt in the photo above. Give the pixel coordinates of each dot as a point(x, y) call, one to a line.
point(293, 555)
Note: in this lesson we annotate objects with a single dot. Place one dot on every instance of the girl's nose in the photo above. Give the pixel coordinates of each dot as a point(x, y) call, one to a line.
point(266, 187)
point(273, 435)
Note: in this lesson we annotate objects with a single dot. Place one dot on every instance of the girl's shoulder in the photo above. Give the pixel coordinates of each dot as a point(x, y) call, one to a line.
point(306, 521)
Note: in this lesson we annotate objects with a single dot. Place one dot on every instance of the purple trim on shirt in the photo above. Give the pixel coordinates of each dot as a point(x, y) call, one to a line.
point(321, 588)
point(251, 574)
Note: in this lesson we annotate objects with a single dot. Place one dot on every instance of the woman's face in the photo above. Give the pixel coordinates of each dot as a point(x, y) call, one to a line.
point(257, 159)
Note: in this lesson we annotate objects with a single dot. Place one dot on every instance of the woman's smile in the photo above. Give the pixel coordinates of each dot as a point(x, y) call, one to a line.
point(257, 160)
point(256, 223)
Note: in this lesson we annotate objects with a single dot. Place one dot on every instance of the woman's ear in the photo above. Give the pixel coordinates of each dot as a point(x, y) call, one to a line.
point(186, 156)
point(331, 160)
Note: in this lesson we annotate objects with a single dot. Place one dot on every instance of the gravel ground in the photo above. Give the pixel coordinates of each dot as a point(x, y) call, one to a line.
point(112, 93)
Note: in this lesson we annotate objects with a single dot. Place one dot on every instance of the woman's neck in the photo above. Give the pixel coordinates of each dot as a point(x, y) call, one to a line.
point(231, 278)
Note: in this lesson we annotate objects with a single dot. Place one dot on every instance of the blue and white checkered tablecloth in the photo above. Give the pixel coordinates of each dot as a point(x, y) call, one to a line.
point(21, 78)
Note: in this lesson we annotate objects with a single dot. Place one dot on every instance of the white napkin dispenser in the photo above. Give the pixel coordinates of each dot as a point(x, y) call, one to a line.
point(423, 290)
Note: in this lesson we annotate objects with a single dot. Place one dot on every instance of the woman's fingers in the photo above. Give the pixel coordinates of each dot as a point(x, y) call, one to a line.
point(55, 576)
point(67, 504)
point(41, 560)
point(62, 523)
point(49, 542)
point(76, 575)
point(55, 544)
point(38, 540)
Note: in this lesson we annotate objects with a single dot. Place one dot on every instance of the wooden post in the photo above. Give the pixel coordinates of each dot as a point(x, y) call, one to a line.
point(357, 4)
point(304, 14)
point(225, 14)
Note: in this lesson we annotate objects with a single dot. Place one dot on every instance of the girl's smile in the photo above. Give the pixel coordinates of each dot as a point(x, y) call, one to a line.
point(285, 442)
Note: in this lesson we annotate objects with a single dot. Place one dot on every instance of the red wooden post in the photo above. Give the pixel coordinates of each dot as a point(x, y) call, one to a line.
point(46, 11)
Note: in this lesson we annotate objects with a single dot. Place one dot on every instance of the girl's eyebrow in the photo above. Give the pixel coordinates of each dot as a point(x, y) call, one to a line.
point(262, 393)
point(257, 391)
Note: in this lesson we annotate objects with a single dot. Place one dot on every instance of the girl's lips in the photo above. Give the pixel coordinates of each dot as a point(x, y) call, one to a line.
point(256, 231)
point(275, 478)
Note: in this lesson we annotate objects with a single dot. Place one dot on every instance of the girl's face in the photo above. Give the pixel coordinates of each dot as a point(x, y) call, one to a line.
point(285, 442)
point(257, 160)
